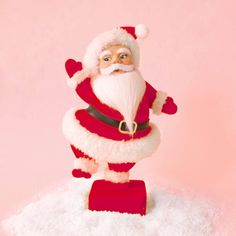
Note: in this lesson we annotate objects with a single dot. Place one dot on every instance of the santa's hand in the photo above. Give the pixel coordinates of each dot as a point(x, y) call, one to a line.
point(169, 106)
point(76, 72)
point(72, 67)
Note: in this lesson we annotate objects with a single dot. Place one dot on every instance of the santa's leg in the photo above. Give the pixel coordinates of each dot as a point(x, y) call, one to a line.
point(117, 192)
point(118, 172)
point(84, 165)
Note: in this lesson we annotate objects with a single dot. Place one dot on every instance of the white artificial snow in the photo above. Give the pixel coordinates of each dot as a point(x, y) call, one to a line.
point(63, 213)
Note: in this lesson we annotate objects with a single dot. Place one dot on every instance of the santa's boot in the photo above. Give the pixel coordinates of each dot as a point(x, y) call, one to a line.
point(117, 192)
point(84, 166)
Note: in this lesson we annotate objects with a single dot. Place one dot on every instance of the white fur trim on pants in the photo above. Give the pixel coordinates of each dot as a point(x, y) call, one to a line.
point(159, 102)
point(104, 149)
point(86, 165)
point(116, 177)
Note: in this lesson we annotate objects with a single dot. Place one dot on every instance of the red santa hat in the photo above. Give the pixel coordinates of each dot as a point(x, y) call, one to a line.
point(125, 35)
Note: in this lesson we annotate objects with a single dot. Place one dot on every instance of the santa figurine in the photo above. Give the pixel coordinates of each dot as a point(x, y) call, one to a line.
point(115, 128)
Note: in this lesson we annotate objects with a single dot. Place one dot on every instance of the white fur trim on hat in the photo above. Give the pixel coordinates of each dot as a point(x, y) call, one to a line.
point(86, 165)
point(141, 31)
point(104, 149)
point(77, 78)
point(112, 37)
point(116, 177)
point(159, 102)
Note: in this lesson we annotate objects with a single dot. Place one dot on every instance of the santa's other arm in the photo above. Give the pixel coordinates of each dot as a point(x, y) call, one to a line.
point(160, 102)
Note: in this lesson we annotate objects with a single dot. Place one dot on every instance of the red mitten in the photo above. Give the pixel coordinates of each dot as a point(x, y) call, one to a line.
point(169, 107)
point(72, 67)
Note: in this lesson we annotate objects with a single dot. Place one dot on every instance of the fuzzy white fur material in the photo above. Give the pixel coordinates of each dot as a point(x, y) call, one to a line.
point(64, 212)
point(141, 31)
point(86, 165)
point(122, 92)
point(112, 37)
point(116, 177)
point(77, 78)
point(103, 149)
point(116, 66)
point(159, 102)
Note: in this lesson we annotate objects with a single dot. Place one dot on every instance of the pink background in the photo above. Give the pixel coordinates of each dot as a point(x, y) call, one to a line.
point(190, 53)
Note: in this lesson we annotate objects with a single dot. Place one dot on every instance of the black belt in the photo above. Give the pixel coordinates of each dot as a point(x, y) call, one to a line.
point(121, 125)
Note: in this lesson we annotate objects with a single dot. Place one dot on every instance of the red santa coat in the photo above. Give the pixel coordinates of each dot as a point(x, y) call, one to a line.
point(104, 142)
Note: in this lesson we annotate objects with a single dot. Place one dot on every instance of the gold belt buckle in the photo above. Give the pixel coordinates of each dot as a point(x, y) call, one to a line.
point(127, 131)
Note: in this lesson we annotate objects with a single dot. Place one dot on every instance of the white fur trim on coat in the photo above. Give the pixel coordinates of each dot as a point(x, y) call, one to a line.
point(115, 36)
point(116, 177)
point(77, 78)
point(86, 165)
point(159, 102)
point(104, 149)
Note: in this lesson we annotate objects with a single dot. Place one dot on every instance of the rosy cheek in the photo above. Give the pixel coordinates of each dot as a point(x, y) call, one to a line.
point(104, 64)
point(128, 61)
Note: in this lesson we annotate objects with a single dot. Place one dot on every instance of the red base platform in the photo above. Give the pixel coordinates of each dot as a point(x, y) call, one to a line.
point(128, 197)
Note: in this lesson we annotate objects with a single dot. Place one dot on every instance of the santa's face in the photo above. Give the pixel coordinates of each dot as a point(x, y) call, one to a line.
point(121, 90)
point(115, 59)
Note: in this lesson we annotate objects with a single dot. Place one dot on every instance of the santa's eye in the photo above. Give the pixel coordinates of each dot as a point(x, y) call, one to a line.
point(106, 58)
point(123, 56)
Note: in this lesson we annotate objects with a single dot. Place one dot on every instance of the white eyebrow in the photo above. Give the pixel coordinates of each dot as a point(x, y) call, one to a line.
point(124, 50)
point(105, 52)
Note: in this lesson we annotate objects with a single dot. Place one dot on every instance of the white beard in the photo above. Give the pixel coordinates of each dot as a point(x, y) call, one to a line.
point(122, 92)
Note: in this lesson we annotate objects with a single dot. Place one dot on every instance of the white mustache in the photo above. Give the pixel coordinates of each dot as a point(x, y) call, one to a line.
point(108, 70)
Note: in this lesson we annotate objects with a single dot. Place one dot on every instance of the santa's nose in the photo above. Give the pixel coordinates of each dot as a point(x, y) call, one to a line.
point(117, 60)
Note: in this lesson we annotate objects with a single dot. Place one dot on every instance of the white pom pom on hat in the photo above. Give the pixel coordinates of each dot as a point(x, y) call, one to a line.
point(124, 35)
point(141, 31)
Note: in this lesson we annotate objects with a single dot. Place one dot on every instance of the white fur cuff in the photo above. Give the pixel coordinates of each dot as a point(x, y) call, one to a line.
point(116, 177)
point(77, 78)
point(159, 102)
point(86, 165)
